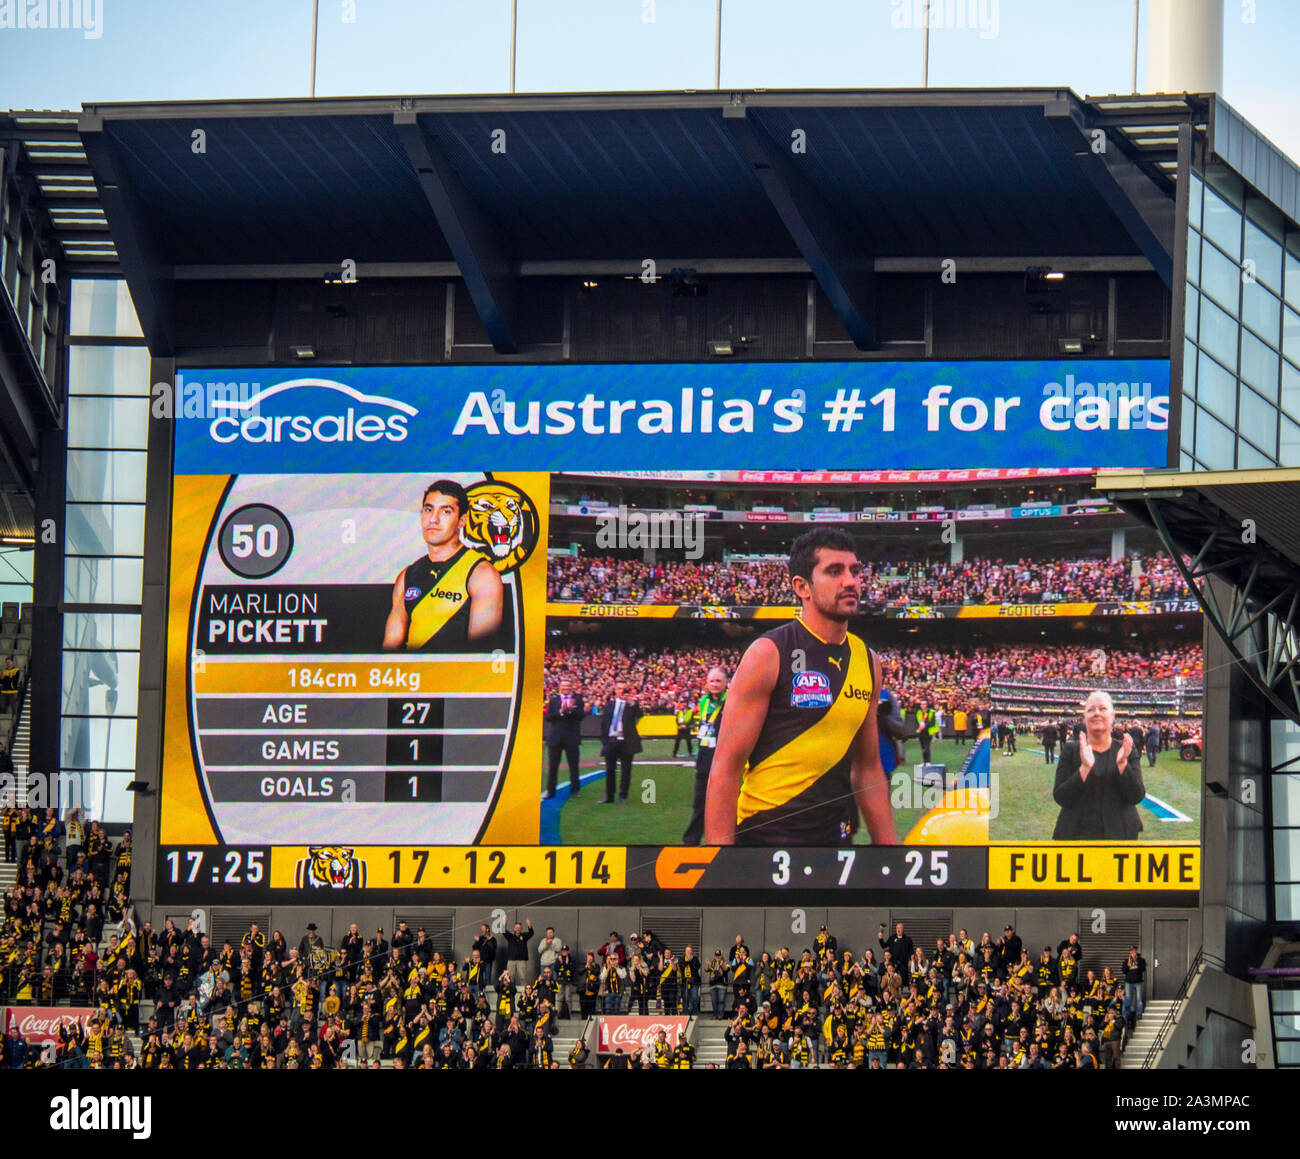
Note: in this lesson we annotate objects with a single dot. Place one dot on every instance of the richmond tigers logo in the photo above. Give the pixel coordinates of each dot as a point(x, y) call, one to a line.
point(330, 865)
point(501, 523)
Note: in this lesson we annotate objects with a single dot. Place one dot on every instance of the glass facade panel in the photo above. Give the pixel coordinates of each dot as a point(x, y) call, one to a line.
point(98, 742)
point(108, 429)
point(1259, 365)
point(100, 630)
point(1217, 389)
point(120, 423)
point(1193, 255)
point(1220, 278)
point(1288, 451)
point(89, 679)
point(1219, 334)
point(106, 476)
point(102, 581)
point(1291, 335)
point(1261, 310)
point(103, 309)
point(1265, 253)
point(1292, 260)
point(1286, 803)
point(1257, 420)
point(1286, 855)
point(1290, 389)
point(1285, 1025)
point(1249, 456)
point(1215, 442)
point(1222, 225)
point(1189, 368)
point(101, 795)
point(1284, 743)
point(108, 370)
point(1191, 301)
point(105, 529)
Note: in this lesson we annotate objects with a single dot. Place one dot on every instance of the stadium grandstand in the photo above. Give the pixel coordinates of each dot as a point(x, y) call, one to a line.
point(350, 518)
point(604, 579)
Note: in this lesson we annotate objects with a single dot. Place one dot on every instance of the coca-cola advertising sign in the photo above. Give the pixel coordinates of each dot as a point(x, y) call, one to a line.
point(634, 1033)
point(40, 1024)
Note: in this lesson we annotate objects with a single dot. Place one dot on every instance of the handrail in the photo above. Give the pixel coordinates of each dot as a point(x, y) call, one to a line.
point(1171, 1018)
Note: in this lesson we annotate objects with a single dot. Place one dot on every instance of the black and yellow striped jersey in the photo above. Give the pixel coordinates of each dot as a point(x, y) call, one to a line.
point(796, 788)
point(436, 596)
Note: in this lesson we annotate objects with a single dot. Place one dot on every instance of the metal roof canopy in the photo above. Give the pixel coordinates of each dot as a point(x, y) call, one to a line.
point(1242, 527)
point(490, 188)
point(52, 160)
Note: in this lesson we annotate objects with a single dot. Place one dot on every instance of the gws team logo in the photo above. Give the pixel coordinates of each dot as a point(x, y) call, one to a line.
point(332, 866)
point(346, 424)
point(810, 690)
point(502, 524)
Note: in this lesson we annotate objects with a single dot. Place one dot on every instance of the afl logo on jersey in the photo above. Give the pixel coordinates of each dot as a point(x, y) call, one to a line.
point(411, 594)
point(810, 690)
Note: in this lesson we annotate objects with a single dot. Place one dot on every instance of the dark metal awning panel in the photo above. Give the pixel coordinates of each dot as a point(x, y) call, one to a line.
point(1239, 527)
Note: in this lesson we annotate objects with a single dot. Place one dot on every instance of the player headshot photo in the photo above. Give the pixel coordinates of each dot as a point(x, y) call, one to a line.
point(798, 754)
point(451, 597)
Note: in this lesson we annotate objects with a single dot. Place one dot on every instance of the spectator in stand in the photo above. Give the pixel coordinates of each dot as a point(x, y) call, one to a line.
point(1135, 976)
point(520, 961)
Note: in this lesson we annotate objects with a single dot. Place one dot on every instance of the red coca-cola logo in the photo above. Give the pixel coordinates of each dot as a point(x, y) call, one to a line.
point(636, 1034)
point(42, 1023)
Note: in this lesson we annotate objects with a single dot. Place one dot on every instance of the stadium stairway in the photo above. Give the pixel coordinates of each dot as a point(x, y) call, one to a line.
point(566, 1034)
point(1144, 1035)
point(20, 754)
point(710, 1043)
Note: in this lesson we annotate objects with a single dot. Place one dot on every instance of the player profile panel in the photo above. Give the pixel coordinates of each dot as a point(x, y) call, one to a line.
point(304, 729)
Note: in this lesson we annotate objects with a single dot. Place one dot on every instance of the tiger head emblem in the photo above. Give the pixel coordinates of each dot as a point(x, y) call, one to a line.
point(502, 523)
point(331, 866)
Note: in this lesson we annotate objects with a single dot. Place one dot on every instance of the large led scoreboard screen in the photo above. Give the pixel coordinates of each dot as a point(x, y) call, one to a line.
point(409, 607)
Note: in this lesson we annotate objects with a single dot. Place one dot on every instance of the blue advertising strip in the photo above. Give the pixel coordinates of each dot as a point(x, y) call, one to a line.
point(684, 416)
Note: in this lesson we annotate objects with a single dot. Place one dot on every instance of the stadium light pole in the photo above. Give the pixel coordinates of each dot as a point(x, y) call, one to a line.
point(1137, 4)
point(514, 28)
point(315, 24)
point(717, 47)
point(925, 47)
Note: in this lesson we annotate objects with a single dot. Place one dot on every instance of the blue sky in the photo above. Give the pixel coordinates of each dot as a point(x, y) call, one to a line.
point(190, 50)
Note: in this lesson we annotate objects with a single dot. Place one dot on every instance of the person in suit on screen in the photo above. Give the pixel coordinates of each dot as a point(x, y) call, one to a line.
point(564, 713)
point(619, 740)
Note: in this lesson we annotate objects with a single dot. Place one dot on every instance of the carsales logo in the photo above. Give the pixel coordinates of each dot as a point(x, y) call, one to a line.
point(343, 425)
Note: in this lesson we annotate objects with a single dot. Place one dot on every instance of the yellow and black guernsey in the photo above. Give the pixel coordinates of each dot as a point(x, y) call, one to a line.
point(796, 788)
point(437, 600)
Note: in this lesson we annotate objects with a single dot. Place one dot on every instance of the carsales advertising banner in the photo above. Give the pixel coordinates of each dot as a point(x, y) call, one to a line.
point(685, 416)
